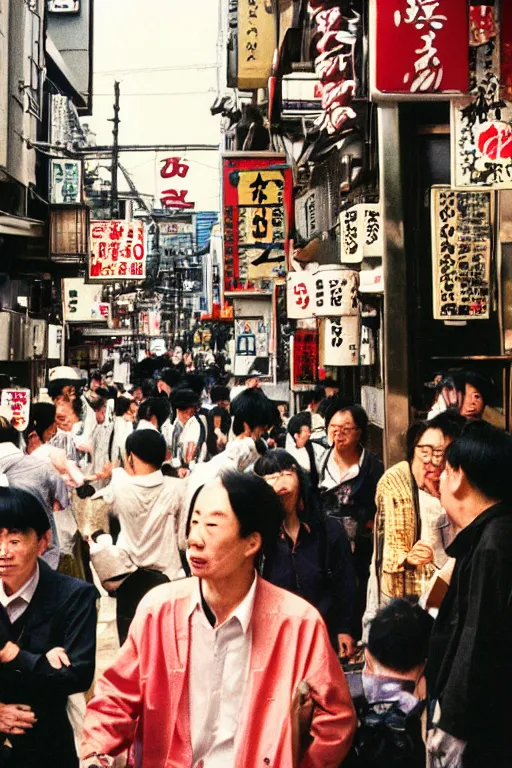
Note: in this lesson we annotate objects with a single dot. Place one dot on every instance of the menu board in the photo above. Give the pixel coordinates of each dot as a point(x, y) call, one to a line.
point(461, 253)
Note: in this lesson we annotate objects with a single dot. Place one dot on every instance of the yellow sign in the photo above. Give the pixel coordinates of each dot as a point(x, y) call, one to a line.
point(256, 43)
point(261, 188)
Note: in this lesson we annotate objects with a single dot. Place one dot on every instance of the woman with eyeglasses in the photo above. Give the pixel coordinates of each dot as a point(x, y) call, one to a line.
point(312, 556)
point(349, 474)
point(412, 530)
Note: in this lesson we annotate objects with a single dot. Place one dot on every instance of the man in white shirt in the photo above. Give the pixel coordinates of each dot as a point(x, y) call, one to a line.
point(187, 436)
point(298, 444)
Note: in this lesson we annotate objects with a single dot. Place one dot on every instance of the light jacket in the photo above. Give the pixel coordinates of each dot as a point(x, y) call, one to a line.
point(143, 697)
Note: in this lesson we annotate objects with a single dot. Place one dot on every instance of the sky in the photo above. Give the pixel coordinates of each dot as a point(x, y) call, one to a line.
point(166, 63)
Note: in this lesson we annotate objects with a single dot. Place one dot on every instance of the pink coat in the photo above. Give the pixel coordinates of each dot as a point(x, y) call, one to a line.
point(143, 697)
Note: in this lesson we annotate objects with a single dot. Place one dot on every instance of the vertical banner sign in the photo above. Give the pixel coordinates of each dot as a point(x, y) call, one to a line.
point(326, 293)
point(256, 43)
point(420, 47)
point(506, 50)
point(257, 195)
point(340, 339)
point(305, 357)
point(18, 403)
point(361, 233)
point(461, 253)
point(65, 181)
point(252, 339)
point(117, 251)
point(174, 197)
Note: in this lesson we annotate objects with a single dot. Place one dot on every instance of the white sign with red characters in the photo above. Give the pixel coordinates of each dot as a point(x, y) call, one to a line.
point(18, 403)
point(171, 196)
point(325, 293)
point(118, 251)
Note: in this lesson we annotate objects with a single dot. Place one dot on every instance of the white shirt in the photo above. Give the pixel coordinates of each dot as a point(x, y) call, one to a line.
point(302, 455)
point(218, 672)
point(17, 603)
point(332, 475)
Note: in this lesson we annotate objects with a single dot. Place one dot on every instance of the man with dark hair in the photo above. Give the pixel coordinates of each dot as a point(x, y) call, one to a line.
point(152, 525)
point(469, 670)
point(212, 664)
point(47, 639)
point(389, 693)
point(187, 435)
point(298, 444)
point(476, 394)
point(311, 403)
point(218, 420)
point(153, 413)
point(168, 379)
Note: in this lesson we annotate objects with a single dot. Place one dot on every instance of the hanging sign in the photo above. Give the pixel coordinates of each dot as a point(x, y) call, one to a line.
point(367, 352)
point(256, 43)
point(65, 181)
point(461, 253)
point(54, 342)
point(326, 293)
point(252, 338)
point(117, 251)
point(173, 195)
point(340, 339)
point(17, 401)
point(305, 357)
point(420, 48)
point(257, 191)
point(81, 301)
point(63, 6)
point(361, 233)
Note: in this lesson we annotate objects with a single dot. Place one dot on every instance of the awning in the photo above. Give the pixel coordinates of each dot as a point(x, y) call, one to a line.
point(23, 227)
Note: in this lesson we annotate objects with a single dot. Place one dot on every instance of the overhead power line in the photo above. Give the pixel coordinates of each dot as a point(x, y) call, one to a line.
point(176, 68)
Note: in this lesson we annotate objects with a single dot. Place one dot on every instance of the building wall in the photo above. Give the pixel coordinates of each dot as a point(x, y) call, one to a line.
point(71, 34)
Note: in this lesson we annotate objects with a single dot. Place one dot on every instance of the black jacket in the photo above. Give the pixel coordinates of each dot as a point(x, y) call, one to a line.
point(470, 659)
point(62, 613)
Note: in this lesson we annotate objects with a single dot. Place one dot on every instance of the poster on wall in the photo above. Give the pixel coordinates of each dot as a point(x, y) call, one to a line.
point(118, 251)
point(256, 43)
point(17, 402)
point(54, 342)
point(340, 340)
point(361, 233)
point(65, 181)
point(325, 293)
point(257, 195)
point(419, 48)
point(252, 339)
point(461, 253)
point(63, 6)
point(81, 301)
point(305, 357)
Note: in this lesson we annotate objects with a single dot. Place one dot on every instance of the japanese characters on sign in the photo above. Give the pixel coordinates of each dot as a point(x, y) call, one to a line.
point(256, 43)
point(63, 6)
point(173, 197)
point(18, 403)
point(326, 293)
point(361, 233)
point(256, 223)
point(340, 339)
point(81, 301)
point(421, 47)
point(65, 181)
point(461, 254)
point(117, 251)
point(305, 356)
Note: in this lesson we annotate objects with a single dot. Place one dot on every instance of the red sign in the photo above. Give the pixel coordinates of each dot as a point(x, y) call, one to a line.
point(117, 251)
point(257, 202)
point(305, 356)
point(421, 47)
point(506, 50)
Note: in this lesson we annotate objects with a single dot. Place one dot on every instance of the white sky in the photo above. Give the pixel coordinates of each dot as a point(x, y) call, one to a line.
point(146, 44)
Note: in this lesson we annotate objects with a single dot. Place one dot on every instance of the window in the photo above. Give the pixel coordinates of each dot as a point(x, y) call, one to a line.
point(34, 45)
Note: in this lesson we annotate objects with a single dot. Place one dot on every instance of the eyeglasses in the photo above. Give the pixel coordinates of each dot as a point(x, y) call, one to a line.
point(430, 453)
point(272, 479)
point(342, 430)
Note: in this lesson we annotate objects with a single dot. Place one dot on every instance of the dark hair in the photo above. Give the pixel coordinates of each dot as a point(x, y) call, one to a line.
point(479, 382)
point(414, 435)
point(313, 396)
point(218, 393)
point(56, 386)
point(148, 445)
point(98, 404)
point(357, 411)
point(330, 382)
point(399, 636)
point(155, 406)
point(22, 511)
point(484, 453)
point(95, 376)
point(298, 421)
point(450, 422)
point(122, 405)
point(280, 460)
point(256, 505)
point(170, 376)
point(329, 402)
point(182, 398)
point(149, 388)
point(8, 434)
point(42, 416)
point(193, 381)
point(253, 408)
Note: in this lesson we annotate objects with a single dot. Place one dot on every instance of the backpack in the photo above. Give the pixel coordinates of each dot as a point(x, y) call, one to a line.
point(386, 737)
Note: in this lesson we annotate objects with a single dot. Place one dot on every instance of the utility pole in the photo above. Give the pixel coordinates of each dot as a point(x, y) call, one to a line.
point(114, 202)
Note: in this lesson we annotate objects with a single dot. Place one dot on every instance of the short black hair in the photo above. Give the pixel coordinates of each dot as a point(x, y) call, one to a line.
point(182, 398)
point(155, 406)
point(23, 512)
point(253, 408)
point(256, 505)
point(123, 405)
point(148, 445)
point(399, 636)
point(42, 416)
point(479, 382)
point(415, 432)
point(331, 383)
point(170, 376)
point(95, 376)
point(193, 381)
point(298, 421)
point(56, 386)
point(8, 434)
point(340, 405)
point(315, 395)
point(450, 422)
point(218, 393)
point(484, 453)
point(149, 388)
point(98, 403)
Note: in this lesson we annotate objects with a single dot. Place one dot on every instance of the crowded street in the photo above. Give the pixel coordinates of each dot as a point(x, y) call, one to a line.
point(255, 383)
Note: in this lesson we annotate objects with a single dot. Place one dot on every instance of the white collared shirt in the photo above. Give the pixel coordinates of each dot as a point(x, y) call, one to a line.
point(218, 671)
point(332, 476)
point(17, 603)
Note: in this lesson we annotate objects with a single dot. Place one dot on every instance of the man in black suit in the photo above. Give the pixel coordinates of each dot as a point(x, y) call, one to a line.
point(47, 640)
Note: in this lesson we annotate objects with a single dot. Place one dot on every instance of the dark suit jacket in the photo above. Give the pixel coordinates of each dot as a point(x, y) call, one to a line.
point(63, 614)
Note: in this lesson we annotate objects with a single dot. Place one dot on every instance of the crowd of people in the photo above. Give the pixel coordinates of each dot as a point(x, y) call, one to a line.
point(281, 600)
